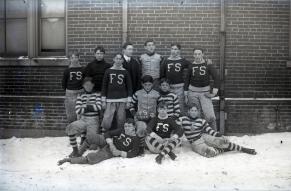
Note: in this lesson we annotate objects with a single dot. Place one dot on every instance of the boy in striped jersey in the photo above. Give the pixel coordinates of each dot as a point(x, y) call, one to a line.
point(88, 105)
point(204, 140)
point(121, 142)
point(169, 98)
point(163, 134)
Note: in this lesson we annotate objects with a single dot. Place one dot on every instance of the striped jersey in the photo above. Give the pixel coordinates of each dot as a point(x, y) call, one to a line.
point(88, 104)
point(172, 102)
point(194, 128)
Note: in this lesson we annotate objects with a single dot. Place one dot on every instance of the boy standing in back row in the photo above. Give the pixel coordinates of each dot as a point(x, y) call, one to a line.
point(173, 69)
point(151, 62)
point(116, 93)
point(197, 88)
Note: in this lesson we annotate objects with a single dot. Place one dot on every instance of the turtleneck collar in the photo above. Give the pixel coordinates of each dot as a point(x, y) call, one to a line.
point(150, 54)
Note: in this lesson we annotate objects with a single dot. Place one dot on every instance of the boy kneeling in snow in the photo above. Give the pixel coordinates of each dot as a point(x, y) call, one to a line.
point(119, 142)
point(163, 135)
point(204, 140)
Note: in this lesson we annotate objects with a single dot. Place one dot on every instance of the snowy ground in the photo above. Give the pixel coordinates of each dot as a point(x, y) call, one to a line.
point(31, 164)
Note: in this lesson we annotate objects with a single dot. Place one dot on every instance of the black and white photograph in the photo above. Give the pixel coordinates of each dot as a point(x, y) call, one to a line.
point(145, 95)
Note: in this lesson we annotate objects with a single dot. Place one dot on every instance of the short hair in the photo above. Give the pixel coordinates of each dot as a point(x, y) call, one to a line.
point(100, 48)
point(165, 80)
point(118, 53)
point(162, 104)
point(74, 52)
point(125, 45)
point(147, 78)
point(191, 106)
point(177, 45)
point(129, 121)
point(198, 48)
point(87, 79)
point(147, 41)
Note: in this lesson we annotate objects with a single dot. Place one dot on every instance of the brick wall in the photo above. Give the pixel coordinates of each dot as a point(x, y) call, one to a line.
point(257, 48)
point(256, 54)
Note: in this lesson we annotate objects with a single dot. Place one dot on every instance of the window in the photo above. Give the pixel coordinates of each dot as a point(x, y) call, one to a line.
point(13, 32)
point(52, 27)
point(32, 27)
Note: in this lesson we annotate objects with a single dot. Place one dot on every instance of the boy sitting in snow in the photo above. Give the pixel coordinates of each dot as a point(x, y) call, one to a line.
point(204, 140)
point(163, 134)
point(119, 142)
point(88, 105)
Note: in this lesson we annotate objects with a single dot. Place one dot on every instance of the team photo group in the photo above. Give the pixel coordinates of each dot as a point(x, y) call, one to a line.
point(142, 105)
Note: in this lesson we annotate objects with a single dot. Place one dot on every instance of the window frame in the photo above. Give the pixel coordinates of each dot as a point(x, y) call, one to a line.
point(33, 37)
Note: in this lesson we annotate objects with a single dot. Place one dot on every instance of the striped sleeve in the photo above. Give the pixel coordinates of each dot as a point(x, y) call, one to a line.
point(79, 109)
point(177, 110)
point(96, 103)
point(207, 129)
point(134, 102)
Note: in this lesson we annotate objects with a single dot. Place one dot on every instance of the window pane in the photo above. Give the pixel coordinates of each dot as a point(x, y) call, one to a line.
point(52, 8)
point(16, 9)
point(16, 33)
point(2, 36)
point(53, 34)
point(1, 9)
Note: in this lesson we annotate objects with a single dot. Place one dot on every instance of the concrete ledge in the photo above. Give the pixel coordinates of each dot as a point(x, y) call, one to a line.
point(30, 133)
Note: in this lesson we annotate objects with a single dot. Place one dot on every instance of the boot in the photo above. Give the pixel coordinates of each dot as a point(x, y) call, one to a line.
point(60, 162)
point(159, 159)
point(172, 155)
point(248, 151)
point(75, 153)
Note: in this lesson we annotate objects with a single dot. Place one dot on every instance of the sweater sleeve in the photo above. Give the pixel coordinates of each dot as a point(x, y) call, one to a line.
point(214, 75)
point(135, 150)
point(187, 79)
point(104, 86)
point(134, 102)
point(79, 109)
point(151, 125)
point(96, 106)
point(177, 128)
point(163, 70)
point(113, 133)
point(207, 129)
point(65, 79)
point(129, 86)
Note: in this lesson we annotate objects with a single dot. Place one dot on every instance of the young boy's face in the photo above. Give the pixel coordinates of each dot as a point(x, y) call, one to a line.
point(147, 86)
point(198, 55)
point(163, 112)
point(175, 51)
point(193, 112)
point(88, 86)
point(99, 55)
point(150, 47)
point(74, 59)
point(118, 60)
point(165, 87)
point(128, 51)
point(129, 129)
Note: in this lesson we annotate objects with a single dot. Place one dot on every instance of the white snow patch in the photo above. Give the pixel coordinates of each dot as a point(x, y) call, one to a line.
point(31, 164)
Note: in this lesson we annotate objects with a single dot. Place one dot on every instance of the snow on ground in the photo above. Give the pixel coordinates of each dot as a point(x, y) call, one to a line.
point(31, 164)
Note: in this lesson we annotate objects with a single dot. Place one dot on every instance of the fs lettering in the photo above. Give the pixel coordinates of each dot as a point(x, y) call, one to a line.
point(118, 77)
point(201, 70)
point(177, 67)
